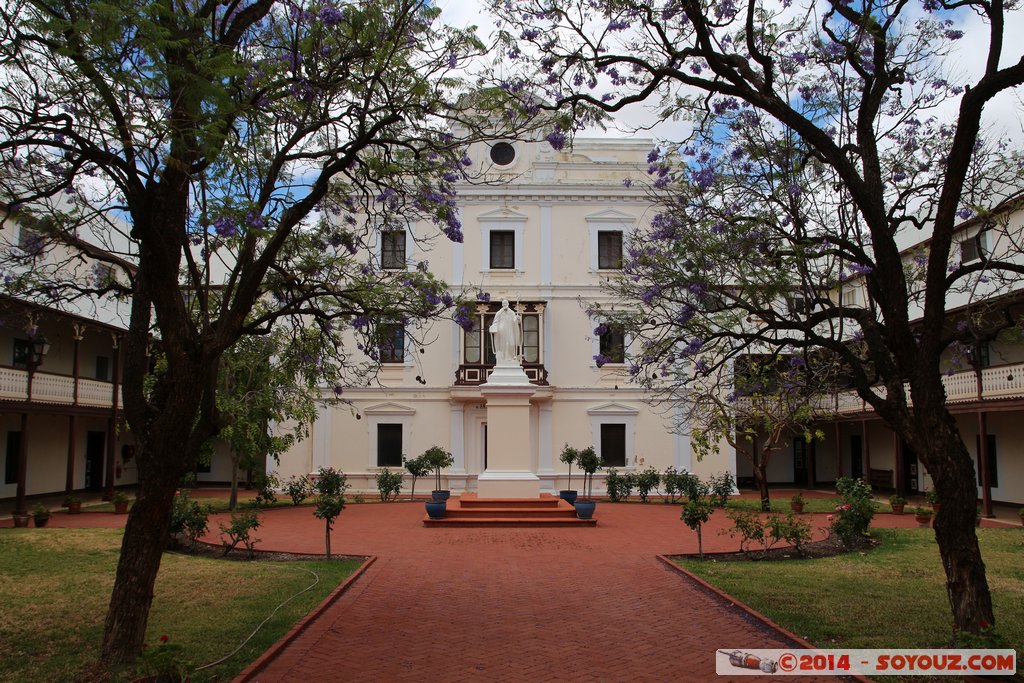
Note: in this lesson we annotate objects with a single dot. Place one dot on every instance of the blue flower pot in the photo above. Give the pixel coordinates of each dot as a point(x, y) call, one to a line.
point(568, 496)
point(440, 495)
point(436, 508)
point(585, 508)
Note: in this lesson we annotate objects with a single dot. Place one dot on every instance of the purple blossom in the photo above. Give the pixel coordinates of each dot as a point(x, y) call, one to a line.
point(627, 182)
point(483, 296)
point(601, 330)
point(965, 213)
point(453, 60)
point(600, 360)
point(330, 16)
point(954, 34)
point(618, 25)
point(652, 156)
point(255, 221)
point(225, 227)
point(556, 138)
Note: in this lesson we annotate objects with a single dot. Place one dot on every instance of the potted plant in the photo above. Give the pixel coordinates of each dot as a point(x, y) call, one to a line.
point(923, 516)
point(796, 503)
point(931, 496)
point(73, 504)
point(898, 503)
point(40, 514)
point(21, 519)
point(437, 459)
point(120, 501)
point(568, 456)
point(587, 461)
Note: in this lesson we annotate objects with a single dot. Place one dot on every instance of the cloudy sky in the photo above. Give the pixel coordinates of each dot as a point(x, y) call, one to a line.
point(1004, 115)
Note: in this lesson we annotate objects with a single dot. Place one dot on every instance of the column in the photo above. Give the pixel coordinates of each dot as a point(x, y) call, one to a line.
point(321, 438)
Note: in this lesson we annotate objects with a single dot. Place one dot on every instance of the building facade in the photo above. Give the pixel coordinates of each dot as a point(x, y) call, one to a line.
point(542, 230)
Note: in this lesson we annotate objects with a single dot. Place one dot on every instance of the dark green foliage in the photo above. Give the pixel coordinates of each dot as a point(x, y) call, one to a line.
point(188, 518)
point(568, 456)
point(646, 481)
point(619, 486)
point(266, 486)
point(417, 467)
point(330, 486)
point(588, 461)
point(768, 530)
point(241, 529)
point(389, 484)
point(853, 517)
point(436, 459)
point(722, 486)
point(299, 488)
point(695, 514)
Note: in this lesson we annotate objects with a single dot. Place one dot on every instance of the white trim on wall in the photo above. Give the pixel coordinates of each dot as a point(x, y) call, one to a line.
point(503, 220)
point(387, 413)
point(607, 220)
point(614, 413)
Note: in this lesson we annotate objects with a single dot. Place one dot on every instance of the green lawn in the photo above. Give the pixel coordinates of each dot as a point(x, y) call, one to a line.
point(890, 597)
point(55, 585)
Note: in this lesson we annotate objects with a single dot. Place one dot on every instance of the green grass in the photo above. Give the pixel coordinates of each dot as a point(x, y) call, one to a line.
point(781, 504)
point(55, 585)
point(890, 597)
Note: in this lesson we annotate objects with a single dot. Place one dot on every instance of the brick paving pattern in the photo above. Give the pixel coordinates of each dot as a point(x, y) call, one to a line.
point(512, 604)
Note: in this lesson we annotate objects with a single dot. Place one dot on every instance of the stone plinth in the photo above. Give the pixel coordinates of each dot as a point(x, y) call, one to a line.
point(509, 472)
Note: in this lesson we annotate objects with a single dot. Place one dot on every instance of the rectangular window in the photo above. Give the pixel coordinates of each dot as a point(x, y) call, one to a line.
point(392, 343)
point(613, 445)
point(983, 357)
point(973, 248)
point(850, 296)
point(102, 368)
point(609, 249)
point(30, 241)
point(503, 249)
point(991, 457)
point(19, 355)
point(392, 252)
point(613, 343)
point(12, 455)
point(389, 445)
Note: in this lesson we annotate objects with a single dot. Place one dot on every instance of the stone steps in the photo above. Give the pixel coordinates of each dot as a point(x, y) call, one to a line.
point(468, 510)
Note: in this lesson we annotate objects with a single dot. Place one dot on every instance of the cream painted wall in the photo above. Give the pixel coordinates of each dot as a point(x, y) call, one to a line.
point(556, 202)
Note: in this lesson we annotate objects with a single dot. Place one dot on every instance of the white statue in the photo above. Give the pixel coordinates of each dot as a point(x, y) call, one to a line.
point(506, 336)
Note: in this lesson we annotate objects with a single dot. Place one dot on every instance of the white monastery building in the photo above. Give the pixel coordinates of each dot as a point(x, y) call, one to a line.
point(543, 235)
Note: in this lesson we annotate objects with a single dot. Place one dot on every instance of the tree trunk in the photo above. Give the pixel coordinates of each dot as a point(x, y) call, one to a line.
point(233, 500)
point(327, 538)
point(951, 467)
point(700, 544)
point(761, 477)
point(141, 550)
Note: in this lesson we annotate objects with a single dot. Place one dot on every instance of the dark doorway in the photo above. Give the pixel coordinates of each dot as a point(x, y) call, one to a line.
point(800, 455)
point(95, 449)
point(908, 464)
point(485, 446)
point(856, 456)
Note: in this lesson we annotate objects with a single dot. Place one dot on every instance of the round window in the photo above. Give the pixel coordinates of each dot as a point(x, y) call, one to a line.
point(503, 154)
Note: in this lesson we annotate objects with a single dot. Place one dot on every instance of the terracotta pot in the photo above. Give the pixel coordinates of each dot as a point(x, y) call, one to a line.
point(121, 508)
point(74, 508)
point(797, 507)
point(923, 520)
point(21, 521)
point(898, 509)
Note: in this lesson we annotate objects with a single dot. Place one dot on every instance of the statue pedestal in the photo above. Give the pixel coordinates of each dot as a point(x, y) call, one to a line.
point(509, 471)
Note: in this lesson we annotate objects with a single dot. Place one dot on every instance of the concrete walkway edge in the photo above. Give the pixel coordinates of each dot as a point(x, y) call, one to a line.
point(803, 644)
point(251, 671)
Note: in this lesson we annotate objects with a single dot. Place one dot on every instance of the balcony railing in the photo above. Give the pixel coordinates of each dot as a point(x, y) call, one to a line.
point(1002, 381)
point(54, 389)
point(470, 374)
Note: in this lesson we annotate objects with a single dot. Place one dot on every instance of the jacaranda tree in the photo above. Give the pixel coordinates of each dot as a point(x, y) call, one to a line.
point(826, 136)
point(233, 152)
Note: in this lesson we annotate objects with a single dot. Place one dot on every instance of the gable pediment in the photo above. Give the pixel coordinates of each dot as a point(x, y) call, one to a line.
point(612, 409)
point(502, 215)
point(389, 408)
point(610, 216)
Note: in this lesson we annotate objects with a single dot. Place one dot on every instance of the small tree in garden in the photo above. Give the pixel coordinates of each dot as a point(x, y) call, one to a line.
point(330, 486)
point(389, 484)
point(437, 459)
point(241, 529)
point(695, 514)
point(299, 488)
point(568, 456)
point(417, 467)
point(588, 461)
point(647, 481)
point(853, 517)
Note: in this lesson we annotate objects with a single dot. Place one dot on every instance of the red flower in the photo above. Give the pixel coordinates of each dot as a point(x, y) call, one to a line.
point(164, 639)
point(983, 624)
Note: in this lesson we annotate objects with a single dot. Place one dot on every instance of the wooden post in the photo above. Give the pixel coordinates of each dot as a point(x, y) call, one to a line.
point(69, 481)
point(839, 454)
point(897, 449)
point(20, 506)
point(867, 450)
point(986, 483)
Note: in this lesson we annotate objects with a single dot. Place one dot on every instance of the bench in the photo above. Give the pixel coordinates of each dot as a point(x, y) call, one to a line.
point(880, 479)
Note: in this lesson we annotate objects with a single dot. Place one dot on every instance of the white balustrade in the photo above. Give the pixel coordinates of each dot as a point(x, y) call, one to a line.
point(56, 389)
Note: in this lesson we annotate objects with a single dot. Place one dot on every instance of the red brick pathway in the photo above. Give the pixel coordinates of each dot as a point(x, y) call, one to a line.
point(512, 604)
